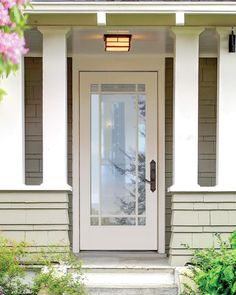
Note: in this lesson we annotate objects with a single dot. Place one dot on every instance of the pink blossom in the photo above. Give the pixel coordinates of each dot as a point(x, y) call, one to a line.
point(12, 46)
point(10, 3)
point(21, 2)
point(4, 16)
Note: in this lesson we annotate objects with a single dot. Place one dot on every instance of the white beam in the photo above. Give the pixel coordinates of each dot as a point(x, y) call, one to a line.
point(54, 105)
point(161, 7)
point(12, 152)
point(226, 108)
point(185, 125)
point(180, 18)
point(101, 18)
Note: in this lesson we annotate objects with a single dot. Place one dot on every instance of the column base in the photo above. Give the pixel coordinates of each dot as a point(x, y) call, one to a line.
point(38, 218)
point(196, 218)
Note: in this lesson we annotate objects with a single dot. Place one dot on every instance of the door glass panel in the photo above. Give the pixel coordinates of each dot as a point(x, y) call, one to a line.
point(141, 155)
point(118, 155)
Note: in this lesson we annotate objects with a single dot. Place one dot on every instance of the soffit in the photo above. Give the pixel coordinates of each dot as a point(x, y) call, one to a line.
point(144, 40)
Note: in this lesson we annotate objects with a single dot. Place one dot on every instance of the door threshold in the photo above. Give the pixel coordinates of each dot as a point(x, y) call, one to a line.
point(123, 260)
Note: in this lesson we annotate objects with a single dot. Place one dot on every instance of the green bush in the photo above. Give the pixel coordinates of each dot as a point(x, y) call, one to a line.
point(11, 270)
point(60, 274)
point(212, 270)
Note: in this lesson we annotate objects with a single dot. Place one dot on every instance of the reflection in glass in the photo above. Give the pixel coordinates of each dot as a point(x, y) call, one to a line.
point(118, 156)
point(118, 221)
point(94, 221)
point(141, 154)
point(141, 221)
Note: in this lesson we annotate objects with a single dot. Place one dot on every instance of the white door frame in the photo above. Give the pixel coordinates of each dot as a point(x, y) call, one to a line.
point(121, 62)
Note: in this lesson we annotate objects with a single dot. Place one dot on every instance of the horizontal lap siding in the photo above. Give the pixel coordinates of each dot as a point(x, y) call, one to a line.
point(40, 218)
point(196, 218)
point(33, 121)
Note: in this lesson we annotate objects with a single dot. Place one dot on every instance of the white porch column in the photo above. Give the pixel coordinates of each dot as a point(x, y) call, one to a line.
point(226, 117)
point(185, 129)
point(54, 105)
point(12, 160)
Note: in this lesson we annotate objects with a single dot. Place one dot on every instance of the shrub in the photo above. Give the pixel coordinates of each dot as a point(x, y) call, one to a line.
point(212, 270)
point(11, 270)
point(61, 274)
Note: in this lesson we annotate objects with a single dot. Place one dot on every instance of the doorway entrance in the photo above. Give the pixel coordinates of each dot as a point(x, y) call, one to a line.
point(118, 156)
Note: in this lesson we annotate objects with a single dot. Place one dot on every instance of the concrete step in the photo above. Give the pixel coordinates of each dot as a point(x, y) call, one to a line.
point(128, 273)
point(134, 291)
point(128, 281)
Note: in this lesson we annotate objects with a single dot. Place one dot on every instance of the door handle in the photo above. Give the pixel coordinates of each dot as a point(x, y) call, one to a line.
point(152, 180)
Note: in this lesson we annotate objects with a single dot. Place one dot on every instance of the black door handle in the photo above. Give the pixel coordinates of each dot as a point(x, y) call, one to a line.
point(152, 180)
point(153, 176)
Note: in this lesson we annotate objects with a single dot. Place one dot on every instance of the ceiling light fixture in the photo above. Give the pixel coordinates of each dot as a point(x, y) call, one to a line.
point(117, 43)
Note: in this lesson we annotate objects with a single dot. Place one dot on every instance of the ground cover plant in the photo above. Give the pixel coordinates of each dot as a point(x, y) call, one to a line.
point(213, 271)
point(61, 274)
point(58, 273)
point(11, 271)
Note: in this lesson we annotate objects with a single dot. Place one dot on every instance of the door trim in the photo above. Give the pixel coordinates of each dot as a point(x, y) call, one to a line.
point(130, 63)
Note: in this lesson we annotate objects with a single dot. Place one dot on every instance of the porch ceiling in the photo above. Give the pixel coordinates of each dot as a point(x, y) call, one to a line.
point(144, 40)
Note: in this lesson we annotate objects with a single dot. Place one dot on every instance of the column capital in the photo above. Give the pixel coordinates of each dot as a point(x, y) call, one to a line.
point(64, 30)
point(187, 30)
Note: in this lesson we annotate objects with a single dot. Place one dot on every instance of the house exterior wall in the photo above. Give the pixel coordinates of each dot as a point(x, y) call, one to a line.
point(33, 121)
point(40, 218)
point(196, 217)
point(33, 125)
point(207, 128)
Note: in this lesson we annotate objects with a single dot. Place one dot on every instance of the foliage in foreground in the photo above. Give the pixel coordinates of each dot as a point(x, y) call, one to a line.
point(60, 272)
point(12, 43)
point(63, 277)
point(11, 271)
point(212, 270)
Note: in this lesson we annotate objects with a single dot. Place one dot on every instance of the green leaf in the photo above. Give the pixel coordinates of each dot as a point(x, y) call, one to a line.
point(15, 14)
point(228, 273)
point(234, 288)
point(2, 94)
point(233, 240)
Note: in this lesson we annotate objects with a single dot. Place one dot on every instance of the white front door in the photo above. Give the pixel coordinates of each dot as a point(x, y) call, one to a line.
point(118, 151)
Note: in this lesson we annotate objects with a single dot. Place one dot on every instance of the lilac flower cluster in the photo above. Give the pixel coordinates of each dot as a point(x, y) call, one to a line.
point(12, 45)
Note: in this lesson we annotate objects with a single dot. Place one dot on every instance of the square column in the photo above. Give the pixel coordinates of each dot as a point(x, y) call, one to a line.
point(12, 147)
point(226, 113)
point(185, 129)
point(54, 105)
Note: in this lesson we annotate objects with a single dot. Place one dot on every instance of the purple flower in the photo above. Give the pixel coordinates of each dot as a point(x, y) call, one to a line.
point(12, 46)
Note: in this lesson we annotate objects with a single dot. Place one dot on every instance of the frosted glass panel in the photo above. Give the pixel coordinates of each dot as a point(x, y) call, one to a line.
point(118, 156)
